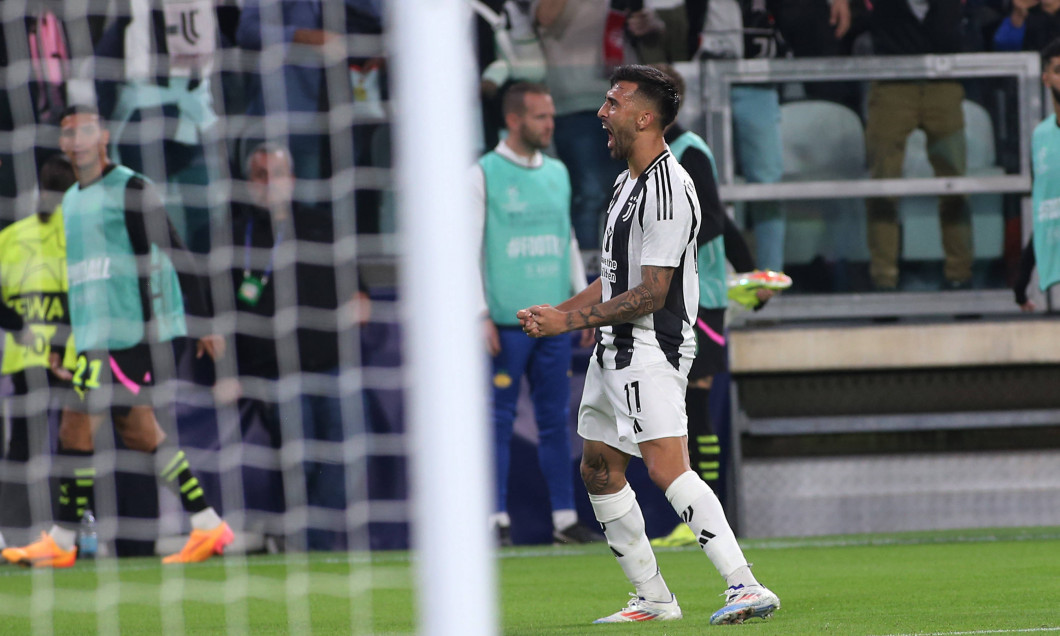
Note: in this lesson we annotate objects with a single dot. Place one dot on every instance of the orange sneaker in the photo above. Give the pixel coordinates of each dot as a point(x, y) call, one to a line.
point(203, 544)
point(42, 554)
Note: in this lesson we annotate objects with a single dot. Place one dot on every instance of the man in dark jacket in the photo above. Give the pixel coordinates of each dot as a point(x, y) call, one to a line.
point(285, 259)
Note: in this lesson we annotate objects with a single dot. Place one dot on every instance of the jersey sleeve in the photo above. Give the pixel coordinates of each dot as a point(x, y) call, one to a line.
point(712, 213)
point(668, 218)
point(148, 223)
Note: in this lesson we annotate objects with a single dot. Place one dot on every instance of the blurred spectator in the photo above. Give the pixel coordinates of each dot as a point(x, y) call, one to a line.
point(573, 37)
point(657, 30)
point(45, 44)
point(371, 133)
point(522, 200)
point(736, 29)
point(284, 257)
point(515, 55)
point(154, 72)
point(296, 29)
point(823, 28)
point(896, 109)
point(33, 289)
point(519, 55)
point(1029, 27)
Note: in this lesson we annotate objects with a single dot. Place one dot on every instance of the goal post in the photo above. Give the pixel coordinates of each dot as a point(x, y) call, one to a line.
point(445, 370)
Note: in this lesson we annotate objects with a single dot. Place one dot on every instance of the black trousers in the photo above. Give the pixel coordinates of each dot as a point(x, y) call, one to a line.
point(27, 436)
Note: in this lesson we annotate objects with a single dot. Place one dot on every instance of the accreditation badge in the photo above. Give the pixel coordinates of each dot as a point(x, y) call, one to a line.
point(250, 290)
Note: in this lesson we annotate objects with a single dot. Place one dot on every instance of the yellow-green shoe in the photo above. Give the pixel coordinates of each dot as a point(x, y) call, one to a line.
point(743, 288)
point(681, 536)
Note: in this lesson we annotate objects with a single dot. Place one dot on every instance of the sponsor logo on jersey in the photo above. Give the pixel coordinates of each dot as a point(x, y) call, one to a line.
point(43, 307)
point(1049, 209)
point(87, 271)
point(607, 269)
point(535, 246)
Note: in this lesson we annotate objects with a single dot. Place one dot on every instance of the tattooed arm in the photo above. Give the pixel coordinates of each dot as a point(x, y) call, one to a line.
point(642, 300)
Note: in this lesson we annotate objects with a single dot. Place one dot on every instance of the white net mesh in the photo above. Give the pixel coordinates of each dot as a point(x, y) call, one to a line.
point(296, 435)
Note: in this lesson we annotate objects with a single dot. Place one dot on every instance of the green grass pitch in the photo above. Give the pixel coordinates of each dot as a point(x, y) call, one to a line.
point(1001, 581)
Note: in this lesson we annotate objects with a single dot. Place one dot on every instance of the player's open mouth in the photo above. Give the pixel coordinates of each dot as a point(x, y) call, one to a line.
point(610, 136)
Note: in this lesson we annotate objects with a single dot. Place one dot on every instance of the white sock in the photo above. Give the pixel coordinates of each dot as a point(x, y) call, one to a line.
point(500, 520)
point(65, 538)
point(205, 520)
point(562, 519)
point(699, 507)
point(623, 525)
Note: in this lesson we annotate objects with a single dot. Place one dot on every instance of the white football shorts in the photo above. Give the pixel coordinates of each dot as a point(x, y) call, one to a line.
point(623, 407)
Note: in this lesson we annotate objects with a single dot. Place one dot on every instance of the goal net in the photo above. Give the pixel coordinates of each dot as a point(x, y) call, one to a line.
point(297, 182)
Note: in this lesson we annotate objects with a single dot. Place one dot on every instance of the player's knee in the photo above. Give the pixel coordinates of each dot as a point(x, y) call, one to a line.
point(141, 438)
point(662, 474)
point(139, 441)
point(597, 478)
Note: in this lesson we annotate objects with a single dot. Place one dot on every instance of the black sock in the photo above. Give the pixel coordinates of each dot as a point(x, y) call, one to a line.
point(177, 476)
point(704, 452)
point(76, 482)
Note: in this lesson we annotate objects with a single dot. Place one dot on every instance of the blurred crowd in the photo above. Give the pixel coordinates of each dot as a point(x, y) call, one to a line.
point(571, 45)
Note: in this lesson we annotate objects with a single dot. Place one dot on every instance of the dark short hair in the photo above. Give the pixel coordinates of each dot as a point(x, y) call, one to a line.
point(56, 174)
point(1049, 51)
point(654, 85)
point(515, 97)
point(79, 109)
point(679, 82)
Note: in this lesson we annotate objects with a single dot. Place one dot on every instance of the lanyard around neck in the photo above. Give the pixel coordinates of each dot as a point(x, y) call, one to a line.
point(272, 253)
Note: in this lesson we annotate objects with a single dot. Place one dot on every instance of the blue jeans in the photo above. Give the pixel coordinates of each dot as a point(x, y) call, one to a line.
point(760, 157)
point(581, 144)
point(325, 480)
point(321, 418)
point(546, 364)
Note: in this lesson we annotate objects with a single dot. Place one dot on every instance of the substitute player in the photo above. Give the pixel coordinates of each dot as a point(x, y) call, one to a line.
point(522, 200)
point(124, 297)
point(644, 304)
point(1043, 247)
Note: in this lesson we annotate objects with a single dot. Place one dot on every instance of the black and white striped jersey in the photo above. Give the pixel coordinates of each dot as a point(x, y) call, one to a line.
point(652, 220)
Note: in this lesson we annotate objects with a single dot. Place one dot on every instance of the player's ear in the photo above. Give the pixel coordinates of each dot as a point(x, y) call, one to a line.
point(511, 121)
point(645, 120)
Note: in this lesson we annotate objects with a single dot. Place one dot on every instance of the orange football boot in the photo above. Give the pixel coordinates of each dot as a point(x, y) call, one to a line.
point(203, 544)
point(42, 554)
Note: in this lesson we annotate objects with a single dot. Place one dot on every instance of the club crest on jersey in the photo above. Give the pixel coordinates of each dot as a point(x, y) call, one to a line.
point(630, 205)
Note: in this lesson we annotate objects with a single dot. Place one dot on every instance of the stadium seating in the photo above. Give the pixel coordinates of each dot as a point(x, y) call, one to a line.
point(921, 236)
point(823, 140)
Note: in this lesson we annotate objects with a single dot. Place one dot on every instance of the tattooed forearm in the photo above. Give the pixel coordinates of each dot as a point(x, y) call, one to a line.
point(642, 300)
point(595, 474)
point(625, 307)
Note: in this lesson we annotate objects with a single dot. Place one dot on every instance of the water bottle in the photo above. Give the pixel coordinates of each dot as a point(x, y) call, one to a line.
point(87, 539)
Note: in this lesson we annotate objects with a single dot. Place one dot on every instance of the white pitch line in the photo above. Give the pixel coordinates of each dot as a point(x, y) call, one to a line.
point(1029, 630)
